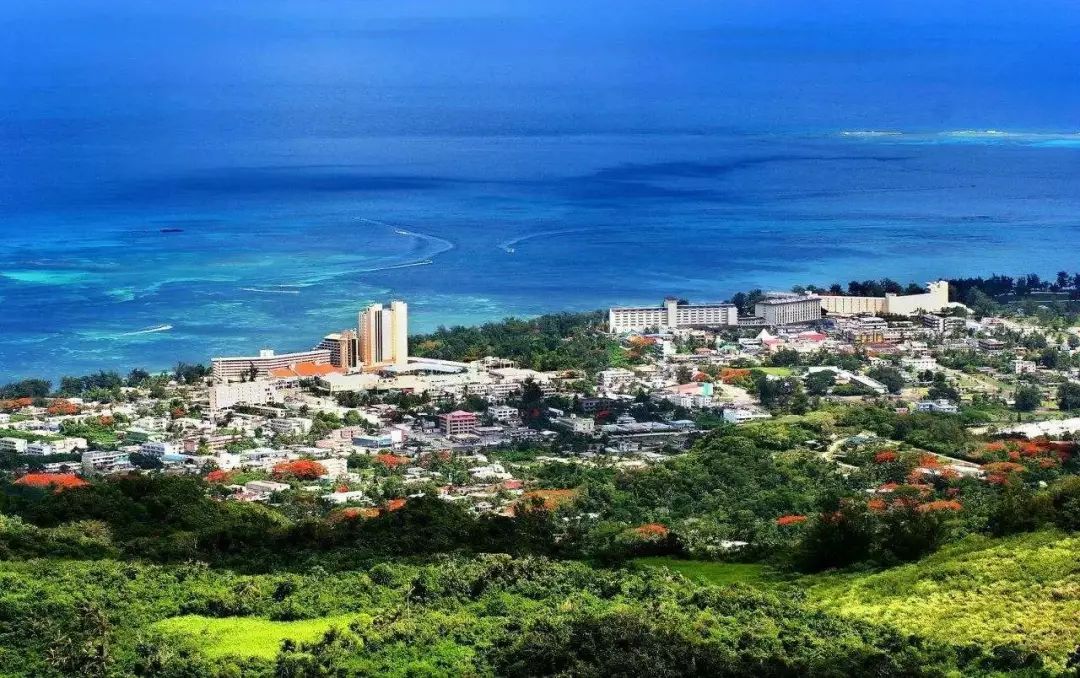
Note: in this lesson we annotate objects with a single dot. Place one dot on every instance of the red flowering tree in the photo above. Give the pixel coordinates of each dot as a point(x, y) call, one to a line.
point(218, 476)
point(63, 407)
point(57, 482)
point(790, 520)
point(391, 460)
point(885, 457)
point(302, 469)
point(651, 531)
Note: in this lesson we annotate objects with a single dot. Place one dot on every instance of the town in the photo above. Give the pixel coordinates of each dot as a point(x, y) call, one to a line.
point(370, 417)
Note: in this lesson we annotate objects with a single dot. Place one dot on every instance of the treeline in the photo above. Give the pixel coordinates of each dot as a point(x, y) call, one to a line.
point(550, 342)
point(998, 285)
point(102, 384)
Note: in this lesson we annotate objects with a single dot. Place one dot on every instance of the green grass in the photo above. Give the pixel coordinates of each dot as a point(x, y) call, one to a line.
point(775, 371)
point(1023, 590)
point(28, 435)
point(711, 572)
point(252, 637)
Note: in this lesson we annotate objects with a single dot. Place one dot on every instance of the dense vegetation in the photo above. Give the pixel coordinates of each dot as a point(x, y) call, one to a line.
point(549, 342)
point(488, 616)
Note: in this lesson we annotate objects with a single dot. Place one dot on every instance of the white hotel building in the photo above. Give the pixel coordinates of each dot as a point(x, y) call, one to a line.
point(672, 315)
point(239, 368)
point(780, 309)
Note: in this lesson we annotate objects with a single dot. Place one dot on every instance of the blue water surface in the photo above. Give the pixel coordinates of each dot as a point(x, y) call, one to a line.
point(182, 180)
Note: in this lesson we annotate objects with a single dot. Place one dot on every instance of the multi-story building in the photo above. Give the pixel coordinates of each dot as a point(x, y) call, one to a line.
point(154, 448)
point(780, 309)
point(246, 367)
point(39, 449)
point(919, 363)
point(458, 422)
point(1021, 366)
point(575, 424)
point(16, 445)
point(503, 413)
point(673, 314)
point(344, 348)
point(384, 334)
point(290, 425)
point(258, 392)
point(934, 300)
point(943, 324)
point(104, 461)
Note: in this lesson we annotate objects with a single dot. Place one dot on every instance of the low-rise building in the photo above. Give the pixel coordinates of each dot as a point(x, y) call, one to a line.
point(739, 415)
point(575, 424)
point(155, 448)
point(1021, 366)
point(15, 445)
point(290, 425)
point(942, 406)
point(503, 413)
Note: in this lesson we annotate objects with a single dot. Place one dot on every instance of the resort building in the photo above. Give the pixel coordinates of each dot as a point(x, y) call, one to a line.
point(936, 299)
point(384, 335)
point(344, 348)
point(780, 309)
point(259, 367)
point(673, 314)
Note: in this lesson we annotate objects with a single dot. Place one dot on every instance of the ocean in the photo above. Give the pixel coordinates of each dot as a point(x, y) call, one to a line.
point(174, 188)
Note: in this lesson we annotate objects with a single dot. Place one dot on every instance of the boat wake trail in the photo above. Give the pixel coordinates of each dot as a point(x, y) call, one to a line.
point(146, 330)
point(510, 246)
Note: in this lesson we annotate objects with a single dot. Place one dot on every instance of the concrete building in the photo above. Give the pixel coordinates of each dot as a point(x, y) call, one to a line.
point(920, 363)
point(458, 422)
point(780, 309)
point(1021, 366)
point(739, 415)
point(574, 424)
point(39, 449)
point(344, 348)
point(156, 449)
point(228, 394)
point(16, 445)
point(616, 377)
point(672, 314)
point(936, 299)
point(241, 368)
point(290, 425)
point(503, 413)
point(941, 406)
point(104, 461)
point(384, 334)
point(943, 324)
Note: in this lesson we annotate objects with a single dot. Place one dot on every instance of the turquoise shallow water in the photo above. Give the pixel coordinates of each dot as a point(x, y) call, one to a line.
point(586, 223)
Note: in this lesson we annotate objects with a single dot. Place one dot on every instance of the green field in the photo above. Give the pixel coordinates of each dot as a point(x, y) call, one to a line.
point(248, 637)
point(775, 371)
point(711, 572)
point(1023, 590)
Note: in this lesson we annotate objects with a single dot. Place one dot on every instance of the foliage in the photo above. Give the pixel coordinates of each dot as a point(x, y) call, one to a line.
point(1020, 591)
point(550, 342)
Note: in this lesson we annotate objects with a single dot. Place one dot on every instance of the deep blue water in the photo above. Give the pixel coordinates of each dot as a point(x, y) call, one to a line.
point(484, 159)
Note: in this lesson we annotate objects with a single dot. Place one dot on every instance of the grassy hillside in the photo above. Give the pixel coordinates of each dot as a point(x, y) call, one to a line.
point(1023, 590)
point(248, 637)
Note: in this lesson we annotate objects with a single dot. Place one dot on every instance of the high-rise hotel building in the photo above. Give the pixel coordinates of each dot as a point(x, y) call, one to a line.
point(384, 334)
